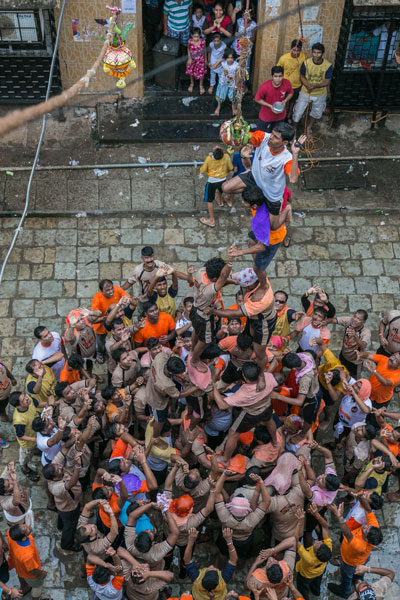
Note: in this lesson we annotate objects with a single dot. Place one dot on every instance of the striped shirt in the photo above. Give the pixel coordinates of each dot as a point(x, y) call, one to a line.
point(178, 14)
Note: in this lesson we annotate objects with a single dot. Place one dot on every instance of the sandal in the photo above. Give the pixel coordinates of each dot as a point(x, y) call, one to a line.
point(30, 474)
point(3, 443)
point(207, 222)
point(99, 359)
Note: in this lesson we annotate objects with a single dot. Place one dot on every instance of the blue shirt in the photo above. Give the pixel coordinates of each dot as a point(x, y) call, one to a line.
point(237, 163)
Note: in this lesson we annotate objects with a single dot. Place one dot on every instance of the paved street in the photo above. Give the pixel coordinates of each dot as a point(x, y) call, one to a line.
point(58, 262)
point(346, 241)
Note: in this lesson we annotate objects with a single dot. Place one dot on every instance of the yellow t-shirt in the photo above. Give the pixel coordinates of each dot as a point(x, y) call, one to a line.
point(26, 418)
point(166, 304)
point(217, 169)
point(309, 566)
point(315, 74)
point(331, 362)
point(49, 383)
point(291, 67)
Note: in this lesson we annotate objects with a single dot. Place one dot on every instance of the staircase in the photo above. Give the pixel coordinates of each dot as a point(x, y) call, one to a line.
point(166, 117)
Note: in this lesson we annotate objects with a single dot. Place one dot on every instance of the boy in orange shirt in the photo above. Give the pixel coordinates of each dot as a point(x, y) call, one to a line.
point(157, 324)
point(356, 546)
point(73, 370)
point(25, 559)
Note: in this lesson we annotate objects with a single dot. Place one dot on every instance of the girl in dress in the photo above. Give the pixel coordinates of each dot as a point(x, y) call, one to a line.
point(226, 81)
point(196, 64)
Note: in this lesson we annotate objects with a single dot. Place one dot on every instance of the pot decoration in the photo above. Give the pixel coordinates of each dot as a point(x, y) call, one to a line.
point(118, 61)
point(235, 133)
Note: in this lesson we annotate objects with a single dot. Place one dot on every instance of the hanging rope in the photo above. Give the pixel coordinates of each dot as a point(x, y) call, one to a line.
point(300, 20)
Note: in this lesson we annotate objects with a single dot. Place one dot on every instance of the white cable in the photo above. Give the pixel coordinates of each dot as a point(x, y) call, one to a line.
point(39, 146)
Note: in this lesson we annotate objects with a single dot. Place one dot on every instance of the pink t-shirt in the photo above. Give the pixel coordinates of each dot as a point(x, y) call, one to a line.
point(322, 497)
point(247, 394)
point(271, 94)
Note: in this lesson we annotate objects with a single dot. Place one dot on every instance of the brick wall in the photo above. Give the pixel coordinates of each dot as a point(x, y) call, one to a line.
point(78, 56)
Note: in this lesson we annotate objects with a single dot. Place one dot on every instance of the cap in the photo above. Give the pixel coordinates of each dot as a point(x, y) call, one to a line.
point(246, 277)
point(210, 580)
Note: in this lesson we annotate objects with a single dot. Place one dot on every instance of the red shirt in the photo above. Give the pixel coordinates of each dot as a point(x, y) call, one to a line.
point(271, 94)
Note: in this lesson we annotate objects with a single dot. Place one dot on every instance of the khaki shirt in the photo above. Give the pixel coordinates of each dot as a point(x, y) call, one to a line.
point(85, 340)
point(143, 278)
point(148, 590)
point(98, 546)
point(123, 377)
point(349, 347)
point(199, 494)
point(154, 557)
point(65, 500)
point(242, 528)
point(393, 330)
point(309, 384)
point(203, 294)
point(283, 508)
point(194, 520)
point(126, 346)
point(160, 388)
point(6, 501)
point(380, 588)
point(86, 459)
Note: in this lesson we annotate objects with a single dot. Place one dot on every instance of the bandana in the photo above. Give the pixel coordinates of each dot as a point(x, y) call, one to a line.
point(237, 464)
point(75, 314)
point(281, 476)
point(181, 509)
point(239, 507)
point(246, 277)
point(309, 366)
point(365, 389)
point(277, 341)
point(246, 438)
point(261, 576)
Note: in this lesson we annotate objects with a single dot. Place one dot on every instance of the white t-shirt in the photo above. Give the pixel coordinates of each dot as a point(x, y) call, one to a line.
point(41, 353)
point(357, 513)
point(217, 53)
point(227, 75)
point(105, 592)
point(268, 171)
point(182, 322)
point(309, 333)
point(48, 452)
point(349, 411)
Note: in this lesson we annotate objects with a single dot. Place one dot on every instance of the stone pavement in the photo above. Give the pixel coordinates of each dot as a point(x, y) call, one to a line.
point(57, 263)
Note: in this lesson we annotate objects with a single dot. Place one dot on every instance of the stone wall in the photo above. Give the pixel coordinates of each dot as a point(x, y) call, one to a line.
point(76, 57)
point(275, 39)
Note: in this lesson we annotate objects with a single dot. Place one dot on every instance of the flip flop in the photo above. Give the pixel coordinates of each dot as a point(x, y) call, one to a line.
point(31, 474)
point(206, 222)
point(99, 359)
point(3, 443)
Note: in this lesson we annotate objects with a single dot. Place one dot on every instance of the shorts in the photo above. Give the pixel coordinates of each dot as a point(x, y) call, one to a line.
point(182, 36)
point(267, 126)
point(249, 181)
point(25, 454)
point(265, 257)
point(318, 104)
point(223, 92)
point(160, 414)
point(262, 329)
point(203, 329)
point(244, 422)
point(310, 408)
point(211, 188)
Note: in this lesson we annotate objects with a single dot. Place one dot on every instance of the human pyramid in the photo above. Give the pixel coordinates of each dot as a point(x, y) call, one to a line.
point(204, 427)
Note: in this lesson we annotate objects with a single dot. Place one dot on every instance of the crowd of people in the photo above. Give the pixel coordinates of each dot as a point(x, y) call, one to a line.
point(200, 423)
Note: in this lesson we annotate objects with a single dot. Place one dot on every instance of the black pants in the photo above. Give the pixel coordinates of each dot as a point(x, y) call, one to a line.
point(305, 586)
point(353, 369)
point(67, 522)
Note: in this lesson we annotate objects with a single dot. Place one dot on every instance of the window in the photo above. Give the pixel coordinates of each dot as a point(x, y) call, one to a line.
point(20, 28)
point(373, 39)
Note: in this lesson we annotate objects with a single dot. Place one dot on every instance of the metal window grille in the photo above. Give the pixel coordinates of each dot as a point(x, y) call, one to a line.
point(366, 74)
point(20, 28)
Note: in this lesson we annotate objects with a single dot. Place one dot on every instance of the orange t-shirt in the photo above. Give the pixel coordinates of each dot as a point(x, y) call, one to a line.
point(357, 551)
point(165, 325)
point(117, 581)
point(24, 557)
point(70, 376)
point(113, 502)
point(255, 307)
point(100, 302)
point(235, 307)
point(383, 393)
point(276, 236)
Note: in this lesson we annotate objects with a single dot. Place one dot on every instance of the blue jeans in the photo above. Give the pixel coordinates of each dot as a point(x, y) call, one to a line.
point(265, 257)
point(346, 577)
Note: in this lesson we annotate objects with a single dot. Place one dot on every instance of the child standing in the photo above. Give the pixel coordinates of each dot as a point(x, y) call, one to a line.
point(196, 64)
point(217, 166)
point(198, 18)
point(226, 81)
point(216, 51)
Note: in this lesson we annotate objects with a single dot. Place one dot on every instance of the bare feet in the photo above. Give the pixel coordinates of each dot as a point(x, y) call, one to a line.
point(219, 200)
point(228, 200)
point(210, 89)
point(202, 90)
point(199, 366)
point(210, 224)
point(190, 88)
point(216, 112)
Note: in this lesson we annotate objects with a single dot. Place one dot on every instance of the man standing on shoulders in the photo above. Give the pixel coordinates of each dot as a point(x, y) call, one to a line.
point(291, 63)
point(315, 75)
point(277, 89)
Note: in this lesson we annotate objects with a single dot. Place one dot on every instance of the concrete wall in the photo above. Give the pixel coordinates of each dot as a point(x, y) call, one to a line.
point(274, 40)
point(78, 56)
